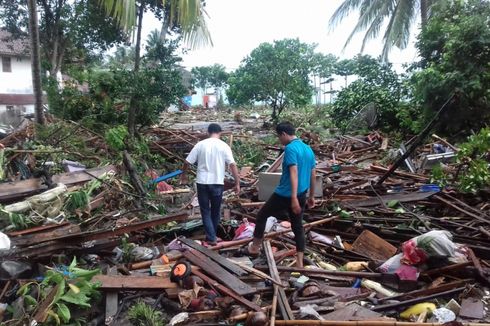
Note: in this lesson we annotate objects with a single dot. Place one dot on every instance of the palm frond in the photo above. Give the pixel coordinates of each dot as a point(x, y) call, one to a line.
point(398, 29)
point(124, 11)
point(343, 11)
point(372, 11)
point(191, 17)
point(374, 29)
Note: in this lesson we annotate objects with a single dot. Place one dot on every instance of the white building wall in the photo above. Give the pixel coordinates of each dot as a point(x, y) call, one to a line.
point(19, 81)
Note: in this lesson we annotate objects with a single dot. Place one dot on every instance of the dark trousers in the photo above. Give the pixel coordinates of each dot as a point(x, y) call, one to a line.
point(277, 206)
point(210, 197)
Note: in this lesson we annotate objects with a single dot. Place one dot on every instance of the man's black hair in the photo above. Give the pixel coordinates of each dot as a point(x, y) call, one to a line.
point(214, 128)
point(286, 127)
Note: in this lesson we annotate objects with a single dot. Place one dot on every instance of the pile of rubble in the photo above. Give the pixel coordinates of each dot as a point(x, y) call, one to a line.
point(399, 252)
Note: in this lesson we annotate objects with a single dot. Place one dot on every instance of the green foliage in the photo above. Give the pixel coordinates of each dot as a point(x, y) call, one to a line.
point(276, 74)
point(396, 18)
point(70, 32)
point(377, 85)
point(74, 291)
point(81, 199)
point(455, 51)
point(115, 137)
point(153, 90)
point(209, 76)
point(248, 152)
point(473, 172)
point(475, 153)
point(142, 314)
point(438, 176)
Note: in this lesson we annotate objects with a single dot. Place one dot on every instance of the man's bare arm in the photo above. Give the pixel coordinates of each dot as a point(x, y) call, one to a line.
point(236, 177)
point(293, 177)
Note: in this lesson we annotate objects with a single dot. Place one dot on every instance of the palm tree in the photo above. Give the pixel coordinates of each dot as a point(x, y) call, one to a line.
point(401, 15)
point(189, 15)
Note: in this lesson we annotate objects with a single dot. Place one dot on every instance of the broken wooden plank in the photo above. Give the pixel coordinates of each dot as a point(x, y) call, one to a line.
point(222, 275)
point(214, 256)
point(109, 282)
point(369, 244)
point(11, 191)
point(42, 309)
point(226, 291)
point(35, 229)
point(401, 197)
point(282, 299)
point(38, 237)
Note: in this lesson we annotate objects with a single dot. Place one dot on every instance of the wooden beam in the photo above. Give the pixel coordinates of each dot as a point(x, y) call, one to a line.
point(282, 298)
point(226, 291)
point(213, 255)
point(222, 275)
point(109, 282)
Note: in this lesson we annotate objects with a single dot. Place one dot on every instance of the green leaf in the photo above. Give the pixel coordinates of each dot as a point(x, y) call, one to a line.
point(29, 300)
point(63, 312)
point(344, 214)
point(56, 318)
point(400, 210)
point(392, 203)
point(73, 263)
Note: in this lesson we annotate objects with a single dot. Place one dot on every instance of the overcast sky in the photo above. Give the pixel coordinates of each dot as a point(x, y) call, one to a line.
point(238, 26)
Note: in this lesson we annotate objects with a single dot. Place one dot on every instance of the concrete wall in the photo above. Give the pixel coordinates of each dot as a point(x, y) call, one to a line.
point(19, 81)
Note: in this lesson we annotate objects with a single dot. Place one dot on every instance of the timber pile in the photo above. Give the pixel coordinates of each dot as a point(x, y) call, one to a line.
point(357, 227)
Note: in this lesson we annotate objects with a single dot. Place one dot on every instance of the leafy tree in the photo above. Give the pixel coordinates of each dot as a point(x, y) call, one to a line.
point(68, 30)
point(455, 52)
point(324, 65)
point(276, 74)
point(345, 68)
point(377, 85)
point(206, 77)
point(373, 14)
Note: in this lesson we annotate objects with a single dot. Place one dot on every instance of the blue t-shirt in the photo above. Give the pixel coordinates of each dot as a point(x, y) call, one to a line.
point(299, 154)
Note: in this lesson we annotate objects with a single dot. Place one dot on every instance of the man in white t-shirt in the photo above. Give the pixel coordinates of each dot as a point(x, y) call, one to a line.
point(211, 155)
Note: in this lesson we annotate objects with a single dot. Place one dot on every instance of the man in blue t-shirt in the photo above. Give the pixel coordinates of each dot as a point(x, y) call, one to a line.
point(298, 175)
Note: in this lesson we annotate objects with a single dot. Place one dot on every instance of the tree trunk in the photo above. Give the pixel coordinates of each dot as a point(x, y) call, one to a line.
point(137, 59)
point(164, 29)
point(137, 55)
point(35, 61)
point(424, 12)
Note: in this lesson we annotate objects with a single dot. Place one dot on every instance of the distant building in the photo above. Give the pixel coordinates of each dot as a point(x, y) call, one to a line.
point(16, 93)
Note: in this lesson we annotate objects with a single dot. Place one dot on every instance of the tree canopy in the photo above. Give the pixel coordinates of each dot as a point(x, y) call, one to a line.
point(277, 74)
point(455, 52)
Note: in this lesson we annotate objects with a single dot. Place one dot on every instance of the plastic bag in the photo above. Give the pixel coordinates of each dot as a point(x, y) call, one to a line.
point(309, 311)
point(429, 245)
point(245, 230)
point(391, 265)
point(4, 241)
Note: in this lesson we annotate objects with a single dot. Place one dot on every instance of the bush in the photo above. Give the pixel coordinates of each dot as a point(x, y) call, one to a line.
point(110, 92)
point(377, 85)
point(455, 51)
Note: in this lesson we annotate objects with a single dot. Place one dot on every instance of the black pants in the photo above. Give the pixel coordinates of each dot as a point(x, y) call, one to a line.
point(277, 206)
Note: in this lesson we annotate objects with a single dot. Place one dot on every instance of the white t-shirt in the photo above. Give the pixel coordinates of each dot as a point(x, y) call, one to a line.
point(212, 155)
